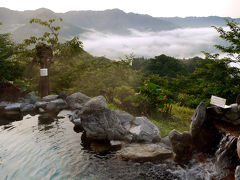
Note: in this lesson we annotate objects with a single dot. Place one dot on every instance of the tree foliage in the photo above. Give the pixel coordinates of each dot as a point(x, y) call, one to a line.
point(10, 68)
point(50, 37)
point(146, 85)
point(232, 37)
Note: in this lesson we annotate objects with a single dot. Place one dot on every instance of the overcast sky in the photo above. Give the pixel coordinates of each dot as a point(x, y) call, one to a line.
point(157, 8)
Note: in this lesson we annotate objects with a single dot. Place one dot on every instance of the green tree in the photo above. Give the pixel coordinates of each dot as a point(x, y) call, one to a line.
point(164, 66)
point(50, 37)
point(232, 36)
point(44, 50)
point(218, 75)
point(10, 68)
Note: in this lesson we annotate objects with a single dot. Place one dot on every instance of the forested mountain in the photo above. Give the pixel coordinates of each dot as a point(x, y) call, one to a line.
point(113, 21)
point(17, 23)
point(116, 21)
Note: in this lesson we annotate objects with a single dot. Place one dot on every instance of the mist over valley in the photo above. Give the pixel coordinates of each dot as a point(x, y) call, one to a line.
point(114, 33)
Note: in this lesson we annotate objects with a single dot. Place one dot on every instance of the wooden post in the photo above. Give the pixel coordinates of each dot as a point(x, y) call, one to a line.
point(44, 83)
point(44, 56)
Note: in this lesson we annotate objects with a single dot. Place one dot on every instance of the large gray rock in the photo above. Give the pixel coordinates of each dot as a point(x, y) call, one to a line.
point(226, 154)
point(25, 107)
point(166, 141)
point(230, 115)
point(205, 135)
point(96, 103)
point(181, 146)
point(125, 118)
point(13, 107)
point(143, 130)
point(99, 122)
point(77, 100)
point(30, 98)
point(102, 124)
point(56, 105)
point(144, 152)
point(237, 173)
point(198, 119)
point(12, 111)
point(41, 104)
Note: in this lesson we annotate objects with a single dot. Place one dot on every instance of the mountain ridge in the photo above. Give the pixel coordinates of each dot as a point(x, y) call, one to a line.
point(114, 21)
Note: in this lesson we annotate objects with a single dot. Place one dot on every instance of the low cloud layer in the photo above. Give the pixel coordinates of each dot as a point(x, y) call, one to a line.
point(182, 43)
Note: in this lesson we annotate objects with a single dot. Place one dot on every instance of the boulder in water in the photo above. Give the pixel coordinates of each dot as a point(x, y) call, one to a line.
point(41, 104)
point(13, 107)
point(102, 124)
point(56, 105)
point(25, 107)
point(226, 154)
point(144, 152)
point(237, 173)
point(77, 100)
point(99, 122)
point(181, 146)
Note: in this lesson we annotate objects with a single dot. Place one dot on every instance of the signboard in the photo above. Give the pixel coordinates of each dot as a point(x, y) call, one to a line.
point(217, 101)
point(44, 72)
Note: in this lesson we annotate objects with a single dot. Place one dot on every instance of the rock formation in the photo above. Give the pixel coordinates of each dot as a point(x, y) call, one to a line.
point(213, 130)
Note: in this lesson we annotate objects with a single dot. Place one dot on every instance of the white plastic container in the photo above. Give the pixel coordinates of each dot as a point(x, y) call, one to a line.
point(44, 72)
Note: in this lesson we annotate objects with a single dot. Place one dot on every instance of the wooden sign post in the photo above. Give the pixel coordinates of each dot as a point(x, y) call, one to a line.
point(44, 56)
point(44, 82)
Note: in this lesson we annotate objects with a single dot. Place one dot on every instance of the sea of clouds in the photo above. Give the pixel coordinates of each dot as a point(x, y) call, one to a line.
point(181, 43)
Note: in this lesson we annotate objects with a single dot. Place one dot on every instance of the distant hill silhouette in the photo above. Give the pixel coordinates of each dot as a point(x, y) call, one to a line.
point(113, 21)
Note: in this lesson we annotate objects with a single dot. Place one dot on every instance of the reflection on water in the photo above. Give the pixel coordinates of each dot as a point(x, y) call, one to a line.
point(43, 149)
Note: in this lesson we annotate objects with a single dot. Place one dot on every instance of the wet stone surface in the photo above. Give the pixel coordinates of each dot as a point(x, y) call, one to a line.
point(51, 149)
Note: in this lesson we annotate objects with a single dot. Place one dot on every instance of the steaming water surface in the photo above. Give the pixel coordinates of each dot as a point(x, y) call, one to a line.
point(36, 151)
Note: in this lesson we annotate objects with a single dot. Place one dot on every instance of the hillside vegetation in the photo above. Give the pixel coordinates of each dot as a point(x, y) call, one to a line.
point(154, 87)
